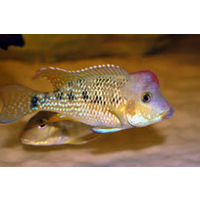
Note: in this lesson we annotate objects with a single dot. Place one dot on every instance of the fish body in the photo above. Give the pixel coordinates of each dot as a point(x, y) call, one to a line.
point(105, 97)
point(89, 96)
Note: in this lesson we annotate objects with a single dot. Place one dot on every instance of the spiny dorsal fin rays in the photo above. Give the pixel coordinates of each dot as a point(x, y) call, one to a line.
point(58, 77)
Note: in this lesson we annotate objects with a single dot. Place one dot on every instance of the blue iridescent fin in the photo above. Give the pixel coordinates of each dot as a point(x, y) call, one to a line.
point(106, 130)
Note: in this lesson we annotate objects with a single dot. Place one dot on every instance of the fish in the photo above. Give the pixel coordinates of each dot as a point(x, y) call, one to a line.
point(105, 97)
point(37, 133)
point(7, 40)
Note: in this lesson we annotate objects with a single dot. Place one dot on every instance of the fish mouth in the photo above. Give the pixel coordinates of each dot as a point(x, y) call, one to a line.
point(166, 114)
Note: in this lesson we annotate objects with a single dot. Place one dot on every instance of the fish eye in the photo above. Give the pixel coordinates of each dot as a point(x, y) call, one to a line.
point(146, 97)
point(42, 126)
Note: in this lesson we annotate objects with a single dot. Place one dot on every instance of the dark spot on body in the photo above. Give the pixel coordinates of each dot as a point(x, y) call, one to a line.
point(71, 96)
point(34, 102)
point(58, 94)
point(85, 96)
point(69, 83)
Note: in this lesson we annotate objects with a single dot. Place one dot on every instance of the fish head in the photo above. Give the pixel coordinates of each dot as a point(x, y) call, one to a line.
point(146, 104)
point(37, 132)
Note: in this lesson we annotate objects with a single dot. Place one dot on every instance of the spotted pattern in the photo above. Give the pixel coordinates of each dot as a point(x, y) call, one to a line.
point(89, 98)
point(88, 95)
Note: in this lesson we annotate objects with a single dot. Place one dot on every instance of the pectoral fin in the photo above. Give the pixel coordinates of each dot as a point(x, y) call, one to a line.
point(58, 118)
point(38, 133)
point(83, 140)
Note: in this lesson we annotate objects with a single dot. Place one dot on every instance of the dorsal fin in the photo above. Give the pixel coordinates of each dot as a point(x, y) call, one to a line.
point(58, 77)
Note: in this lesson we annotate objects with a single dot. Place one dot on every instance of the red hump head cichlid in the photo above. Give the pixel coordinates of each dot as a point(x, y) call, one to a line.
point(105, 97)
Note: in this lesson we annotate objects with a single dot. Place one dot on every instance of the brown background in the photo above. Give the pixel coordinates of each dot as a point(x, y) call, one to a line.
point(174, 58)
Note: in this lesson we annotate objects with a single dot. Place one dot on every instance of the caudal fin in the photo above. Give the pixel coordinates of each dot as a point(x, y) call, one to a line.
point(17, 102)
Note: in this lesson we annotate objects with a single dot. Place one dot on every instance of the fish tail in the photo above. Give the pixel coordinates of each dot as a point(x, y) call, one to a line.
point(18, 101)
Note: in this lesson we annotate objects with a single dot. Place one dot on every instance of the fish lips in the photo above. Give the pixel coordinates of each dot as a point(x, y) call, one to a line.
point(167, 114)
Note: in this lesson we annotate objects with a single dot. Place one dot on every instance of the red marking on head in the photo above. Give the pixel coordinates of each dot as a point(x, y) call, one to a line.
point(148, 73)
